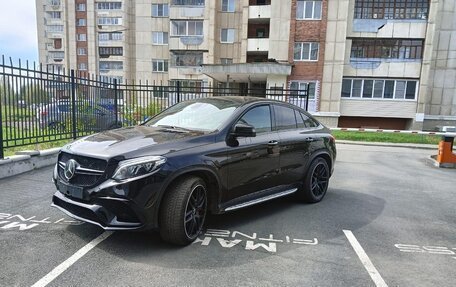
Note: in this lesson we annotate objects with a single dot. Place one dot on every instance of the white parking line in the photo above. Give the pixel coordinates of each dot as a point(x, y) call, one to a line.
point(376, 277)
point(70, 261)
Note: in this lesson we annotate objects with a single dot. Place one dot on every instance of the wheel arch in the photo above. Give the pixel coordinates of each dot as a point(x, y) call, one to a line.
point(210, 178)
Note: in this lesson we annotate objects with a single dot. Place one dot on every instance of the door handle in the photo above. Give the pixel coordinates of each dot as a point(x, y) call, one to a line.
point(309, 139)
point(273, 143)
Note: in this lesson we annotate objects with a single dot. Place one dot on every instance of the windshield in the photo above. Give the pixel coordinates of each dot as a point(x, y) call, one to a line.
point(203, 114)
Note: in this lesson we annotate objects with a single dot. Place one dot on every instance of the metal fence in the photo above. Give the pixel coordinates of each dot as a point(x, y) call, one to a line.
point(39, 105)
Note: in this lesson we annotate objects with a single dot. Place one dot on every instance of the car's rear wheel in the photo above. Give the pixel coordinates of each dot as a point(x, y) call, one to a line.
point(315, 182)
point(183, 211)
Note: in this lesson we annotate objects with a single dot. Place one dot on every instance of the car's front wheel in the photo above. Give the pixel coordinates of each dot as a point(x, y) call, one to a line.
point(183, 211)
point(316, 181)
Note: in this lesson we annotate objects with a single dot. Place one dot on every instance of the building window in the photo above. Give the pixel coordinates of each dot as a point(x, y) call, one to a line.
point(227, 35)
point(81, 22)
point(54, 15)
point(57, 55)
point(81, 7)
point(57, 43)
point(299, 89)
point(81, 37)
point(226, 61)
point(109, 5)
point(228, 6)
point(308, 10)
point(160, 10)
point(159, 65)
point(54, 2)
point(187, 28)
point(186, 58)
point(111, 65)
point(54, 28)
point(82, 66)
point(391, 9)
point(109, 21)
point(379, 89)
point(113, 36)
point(387, 48)
point(306, 51)
point(188, 2)
point(160, 38)
point(110, 51)
point(82, 51)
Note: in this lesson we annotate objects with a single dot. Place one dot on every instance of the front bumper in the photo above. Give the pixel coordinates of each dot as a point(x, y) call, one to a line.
point(113, 206)
point(97, 214)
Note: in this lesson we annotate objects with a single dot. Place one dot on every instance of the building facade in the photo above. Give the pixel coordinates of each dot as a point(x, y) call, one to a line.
point(366, 63)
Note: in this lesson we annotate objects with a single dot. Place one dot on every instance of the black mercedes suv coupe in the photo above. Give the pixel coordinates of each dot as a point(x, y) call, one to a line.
point(206, 155)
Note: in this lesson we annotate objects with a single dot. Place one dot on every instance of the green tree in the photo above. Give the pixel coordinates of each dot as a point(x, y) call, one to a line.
point(34, 94)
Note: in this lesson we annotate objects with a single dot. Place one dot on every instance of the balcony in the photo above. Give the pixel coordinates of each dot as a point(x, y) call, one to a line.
point(260, 12)
point(258, 45)
point(185, 12)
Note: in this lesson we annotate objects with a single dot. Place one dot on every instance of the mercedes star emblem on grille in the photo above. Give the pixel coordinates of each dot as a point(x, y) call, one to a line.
point(70, 169)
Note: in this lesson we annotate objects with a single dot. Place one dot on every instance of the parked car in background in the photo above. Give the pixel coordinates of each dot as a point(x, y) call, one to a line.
point(91, 116)
point(214, 155)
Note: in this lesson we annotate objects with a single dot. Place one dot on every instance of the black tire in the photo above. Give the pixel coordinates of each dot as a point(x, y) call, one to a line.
point(316, 181)
point(183, 211)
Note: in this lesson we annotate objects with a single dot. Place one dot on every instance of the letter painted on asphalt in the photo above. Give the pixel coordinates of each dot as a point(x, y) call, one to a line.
point(228, 243)
point(204, 242)
point(4, 215)
point(438, 250)
point(22, 226)
point(3, 222)
point(271, 247)
point(254, 235)
point(409, 248)
point(20, 217)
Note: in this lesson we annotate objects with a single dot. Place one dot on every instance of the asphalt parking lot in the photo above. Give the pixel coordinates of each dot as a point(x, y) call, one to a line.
point(389, 219)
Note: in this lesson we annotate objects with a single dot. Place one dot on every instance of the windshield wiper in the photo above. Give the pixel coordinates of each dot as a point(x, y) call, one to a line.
point(174, 128)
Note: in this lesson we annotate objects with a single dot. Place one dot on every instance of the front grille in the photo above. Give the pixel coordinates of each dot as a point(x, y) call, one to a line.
point(83, 178)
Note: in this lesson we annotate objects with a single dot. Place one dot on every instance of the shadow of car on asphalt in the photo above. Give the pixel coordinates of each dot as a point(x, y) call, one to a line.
point(341, 209)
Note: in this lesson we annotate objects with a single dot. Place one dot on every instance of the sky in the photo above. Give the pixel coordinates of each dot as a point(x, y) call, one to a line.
point(18, 32)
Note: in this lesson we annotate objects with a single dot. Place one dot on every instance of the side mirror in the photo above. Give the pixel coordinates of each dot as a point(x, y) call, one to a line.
point(243, 130)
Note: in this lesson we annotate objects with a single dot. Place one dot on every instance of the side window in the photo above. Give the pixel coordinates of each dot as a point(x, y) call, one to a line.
point(299, 120)
point(308, 122)
point(285, 118)
point(259, 118)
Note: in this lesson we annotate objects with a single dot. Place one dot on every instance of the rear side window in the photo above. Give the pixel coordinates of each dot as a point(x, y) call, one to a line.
point(259, 118)
point(308, 122)
point(285, 118)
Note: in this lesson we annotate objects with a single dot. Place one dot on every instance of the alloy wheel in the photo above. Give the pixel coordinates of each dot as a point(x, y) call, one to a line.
point(195, 212)
point(320, 179)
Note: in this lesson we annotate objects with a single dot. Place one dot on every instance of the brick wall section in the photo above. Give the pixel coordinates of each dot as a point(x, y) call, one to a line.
point(308, 31)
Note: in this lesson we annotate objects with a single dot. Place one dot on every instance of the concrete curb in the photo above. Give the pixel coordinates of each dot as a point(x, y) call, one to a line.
point(404, 145)
point(26, 161)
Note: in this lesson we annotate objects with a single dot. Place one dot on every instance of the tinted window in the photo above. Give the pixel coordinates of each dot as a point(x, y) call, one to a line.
point(259, 118)
point(285, 118)
point(308, 122)
point(299, 120)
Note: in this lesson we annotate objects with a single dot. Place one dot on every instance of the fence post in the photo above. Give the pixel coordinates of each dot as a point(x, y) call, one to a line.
point(1, 108)
point(73, 103)
point(115, 102)
point(307, 97)
point(178, 90)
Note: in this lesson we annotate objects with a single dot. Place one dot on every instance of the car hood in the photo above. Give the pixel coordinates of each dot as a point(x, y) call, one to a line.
point(137, 141)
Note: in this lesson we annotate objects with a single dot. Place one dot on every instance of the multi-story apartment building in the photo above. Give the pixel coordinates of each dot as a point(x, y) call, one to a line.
point(390, 64)
point(367, 63)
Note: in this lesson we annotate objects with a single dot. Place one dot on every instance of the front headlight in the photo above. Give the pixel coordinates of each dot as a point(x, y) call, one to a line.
point(138, 167)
